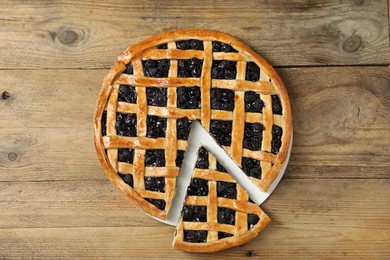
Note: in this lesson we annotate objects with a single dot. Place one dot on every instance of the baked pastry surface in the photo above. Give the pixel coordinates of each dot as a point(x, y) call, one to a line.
point(158, 86)
point(217, 212)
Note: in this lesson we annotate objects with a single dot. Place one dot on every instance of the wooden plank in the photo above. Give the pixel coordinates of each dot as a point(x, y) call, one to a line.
point(311, 219)
point(42, 34)
point(97, 204)
point(341, 119)
point(341, 123)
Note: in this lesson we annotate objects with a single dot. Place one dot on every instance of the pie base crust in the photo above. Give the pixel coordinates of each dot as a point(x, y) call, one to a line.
point(108, 96)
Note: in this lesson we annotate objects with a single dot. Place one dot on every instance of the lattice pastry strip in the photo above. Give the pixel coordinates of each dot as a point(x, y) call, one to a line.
point(217, 213)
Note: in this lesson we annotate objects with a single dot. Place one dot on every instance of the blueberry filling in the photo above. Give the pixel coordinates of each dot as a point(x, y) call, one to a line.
point(129, 69)
point(163, 46)
point(188, 97)
point(156, 96)
point(253, 136)
point(226, 190)
point(253, 103)
point(251, 167)
point(183, 128)
point(198, 187)
point(127, 94)
point(190, 68)
point(251, 201)
point(126, 155)
point(224, 69)
point(126, 124)
point(179, 158)
point(155, 184)
point(194, 213)
point(226, 216)
point(276, 105)
point(195, 236)
point(220, 167)
point(156, 126)
point(276, 142)
point(253, 219)
point(222, 99)
point(104, 123)
point(155, 158)
point(252, 71)
point(127, 178)
point(222, 47)
point(156, 68)
point(160, 204)
point(222, 131)
point(189, 45)
point(222, 235)
point(202, 162)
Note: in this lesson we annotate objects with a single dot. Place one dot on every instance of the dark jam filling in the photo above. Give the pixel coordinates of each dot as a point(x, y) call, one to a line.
point(127, 178)
point(155, 126)
point(198, 187)
point(253, 103)
point(251, 167)
point(224, 69)
point(226, 190)
point(226, 216)
point(222, 47)
point(183, 128)
point(195, 236)
point(202, 162)
point(155, 158)
point(163, 46)
point(179, 158)
point(276, 105)
point(222, 235)
point(220, 167)
point(104, 123)
point(222, 99)
point(276, 142)
point(222, 131)
point(156, 68)
point(191, 68)
point(253, 219)
point(188, 97)
point(129, 69)
point(127, 94)
point(126, 124)
point(194, 213)
point(252, 72)
point(156, 96)
point(155, 183)
point(253, 136)
point(189, 45)
point(160, 204)
point(126, 155)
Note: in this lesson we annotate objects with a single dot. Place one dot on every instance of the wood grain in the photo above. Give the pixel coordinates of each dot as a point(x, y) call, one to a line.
point(55, 200)
point(90, 34)
point(341, 123)
point(90, 219)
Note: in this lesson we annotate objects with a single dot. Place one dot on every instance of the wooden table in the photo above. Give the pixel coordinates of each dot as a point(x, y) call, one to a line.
point(334, 56)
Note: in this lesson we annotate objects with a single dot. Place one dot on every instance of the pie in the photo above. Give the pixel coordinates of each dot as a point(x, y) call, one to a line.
point(217, 212)
point(157, 87)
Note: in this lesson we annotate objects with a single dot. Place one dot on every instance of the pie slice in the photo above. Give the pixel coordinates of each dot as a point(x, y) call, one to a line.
point(217, 213)
point(158, 86)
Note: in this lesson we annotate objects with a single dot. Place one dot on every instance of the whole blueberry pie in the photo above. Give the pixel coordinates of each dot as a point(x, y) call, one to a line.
point(217, 212)
point(159, 86)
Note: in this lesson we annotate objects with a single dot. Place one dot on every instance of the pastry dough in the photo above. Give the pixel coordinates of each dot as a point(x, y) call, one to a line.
point(240, 230)
point(108, 142)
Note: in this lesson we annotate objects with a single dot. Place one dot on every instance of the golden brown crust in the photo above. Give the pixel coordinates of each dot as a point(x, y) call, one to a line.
point(241, 234)
point(147, 49)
